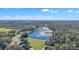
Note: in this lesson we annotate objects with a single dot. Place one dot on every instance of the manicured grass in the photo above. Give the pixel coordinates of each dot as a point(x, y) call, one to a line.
point(4, 29)
point(36, 44)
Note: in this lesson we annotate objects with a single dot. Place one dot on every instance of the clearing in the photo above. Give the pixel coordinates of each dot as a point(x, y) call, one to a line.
point(4, 29)
point(36, 44)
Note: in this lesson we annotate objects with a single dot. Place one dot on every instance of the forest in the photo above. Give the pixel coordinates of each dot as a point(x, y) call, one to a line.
point(14, 35)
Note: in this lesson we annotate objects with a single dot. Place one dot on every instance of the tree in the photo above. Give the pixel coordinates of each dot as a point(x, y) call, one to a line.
point(4, 42)
point(66, 46)
point(25, 44)
point(24, 35)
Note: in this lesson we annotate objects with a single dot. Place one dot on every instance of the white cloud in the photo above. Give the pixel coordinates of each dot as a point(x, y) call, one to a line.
point(34, 17)
point(76, 11)
point(54, 11)
point(70, 11)
point(13, 17)
point(45, 10)
point(50, 10)
point(40, 17)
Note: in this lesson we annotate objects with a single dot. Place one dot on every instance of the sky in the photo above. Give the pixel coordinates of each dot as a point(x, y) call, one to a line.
point(39, 13)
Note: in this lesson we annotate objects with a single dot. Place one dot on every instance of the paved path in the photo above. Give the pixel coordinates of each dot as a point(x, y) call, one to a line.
point(16, 39)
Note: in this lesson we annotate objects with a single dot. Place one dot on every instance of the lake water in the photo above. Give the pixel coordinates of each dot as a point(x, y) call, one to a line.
point(37, 35)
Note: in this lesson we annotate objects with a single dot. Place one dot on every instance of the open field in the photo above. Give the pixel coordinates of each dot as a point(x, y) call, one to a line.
point(36, 44)
point(4, 29)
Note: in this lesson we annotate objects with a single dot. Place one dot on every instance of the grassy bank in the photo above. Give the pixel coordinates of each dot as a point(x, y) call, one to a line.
point(36, 44)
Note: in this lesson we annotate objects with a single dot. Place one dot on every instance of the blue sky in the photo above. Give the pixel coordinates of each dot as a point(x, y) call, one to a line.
point(39, 13)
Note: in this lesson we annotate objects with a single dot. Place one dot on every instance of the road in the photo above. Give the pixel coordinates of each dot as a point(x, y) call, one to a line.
point(16, 39)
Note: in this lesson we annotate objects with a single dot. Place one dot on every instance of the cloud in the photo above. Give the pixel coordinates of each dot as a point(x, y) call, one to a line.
point(45, 10)
point(34, 17)
point(69, 11)
point(50, 10)
point(54, 11)
point(76, 11)
point(40, 17)
point(13, 17)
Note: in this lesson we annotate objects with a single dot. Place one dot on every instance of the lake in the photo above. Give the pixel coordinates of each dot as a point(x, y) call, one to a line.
point(39, 34)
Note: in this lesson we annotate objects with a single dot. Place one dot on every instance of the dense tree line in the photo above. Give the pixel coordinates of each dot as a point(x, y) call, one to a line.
point(64, 39)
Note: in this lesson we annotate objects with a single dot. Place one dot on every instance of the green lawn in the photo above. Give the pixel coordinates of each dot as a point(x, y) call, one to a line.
point(4, 29)
point(36, 44)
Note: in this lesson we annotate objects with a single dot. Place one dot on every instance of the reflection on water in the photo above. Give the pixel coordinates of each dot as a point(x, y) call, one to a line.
point(40, 34)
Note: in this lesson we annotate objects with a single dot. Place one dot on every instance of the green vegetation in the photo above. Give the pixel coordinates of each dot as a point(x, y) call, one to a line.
point(5, 29)
point(24, 35)
point(66, 39)
point(65, 35)
point(36, 44)
point(6, 38)
point(25, 44)
point(5, 43)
